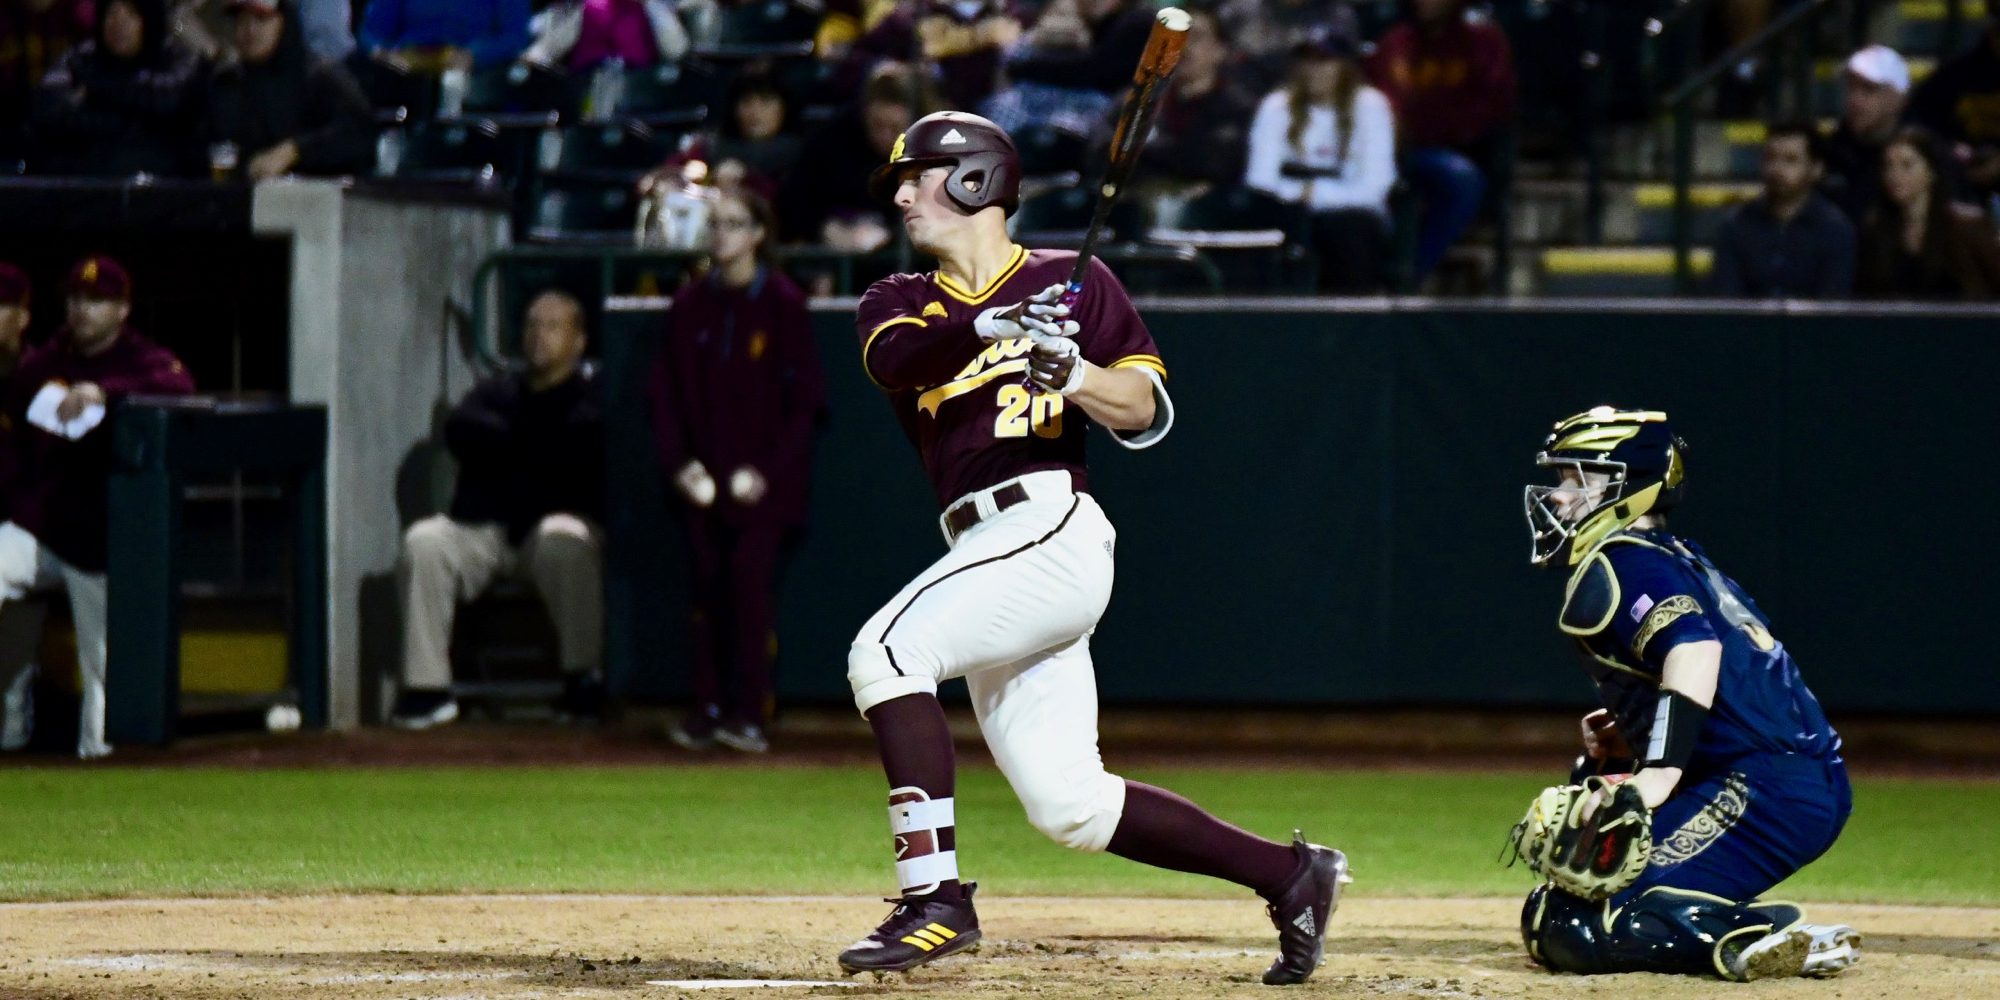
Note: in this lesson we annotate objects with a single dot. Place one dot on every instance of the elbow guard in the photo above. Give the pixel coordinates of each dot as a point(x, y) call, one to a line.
point(1677, 722)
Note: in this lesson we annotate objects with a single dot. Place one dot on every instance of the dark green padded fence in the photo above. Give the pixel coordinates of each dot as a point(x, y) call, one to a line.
point(1336, 518)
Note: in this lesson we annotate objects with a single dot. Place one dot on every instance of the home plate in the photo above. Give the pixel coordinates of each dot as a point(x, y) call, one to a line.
point(738, 984)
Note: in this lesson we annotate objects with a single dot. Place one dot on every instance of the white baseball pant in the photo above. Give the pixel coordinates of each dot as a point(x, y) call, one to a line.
point(1010, 608)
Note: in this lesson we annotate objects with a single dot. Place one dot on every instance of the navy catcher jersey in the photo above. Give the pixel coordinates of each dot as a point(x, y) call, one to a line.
point(961, 401)
point(1642, 593)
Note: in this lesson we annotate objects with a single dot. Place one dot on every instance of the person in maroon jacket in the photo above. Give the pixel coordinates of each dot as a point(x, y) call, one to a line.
point(736, 393)
point(1450, 78)
point(16, 293)
point(57, 404)
point(998, 381)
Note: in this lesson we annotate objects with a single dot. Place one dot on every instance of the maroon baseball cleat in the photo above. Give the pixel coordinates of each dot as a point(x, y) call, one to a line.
point(1300, 910)
point(920, 929)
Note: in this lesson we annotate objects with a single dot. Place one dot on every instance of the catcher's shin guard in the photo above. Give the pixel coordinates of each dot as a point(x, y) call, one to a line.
point(1663, 930)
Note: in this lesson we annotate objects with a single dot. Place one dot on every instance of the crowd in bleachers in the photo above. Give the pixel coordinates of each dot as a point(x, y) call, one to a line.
point(1895, 204)
point(582, 109)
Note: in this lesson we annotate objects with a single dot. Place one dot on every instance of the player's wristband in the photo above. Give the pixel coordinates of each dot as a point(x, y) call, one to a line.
point(1677, 722)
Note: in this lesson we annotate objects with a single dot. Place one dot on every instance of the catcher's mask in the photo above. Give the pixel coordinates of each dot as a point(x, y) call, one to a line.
point(986, 169)
point(1627, 463)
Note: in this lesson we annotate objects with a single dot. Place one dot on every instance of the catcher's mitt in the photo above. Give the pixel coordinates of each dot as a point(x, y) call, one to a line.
point(1590, 859)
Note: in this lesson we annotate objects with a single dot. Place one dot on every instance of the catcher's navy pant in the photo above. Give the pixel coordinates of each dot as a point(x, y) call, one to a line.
point(1737, 833)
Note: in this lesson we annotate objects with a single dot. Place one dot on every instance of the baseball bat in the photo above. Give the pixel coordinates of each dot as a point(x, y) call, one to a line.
point(1156, 64)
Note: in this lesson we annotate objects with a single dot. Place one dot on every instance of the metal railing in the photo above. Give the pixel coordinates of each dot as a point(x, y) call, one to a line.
point(1787, 41)
point(490, 349)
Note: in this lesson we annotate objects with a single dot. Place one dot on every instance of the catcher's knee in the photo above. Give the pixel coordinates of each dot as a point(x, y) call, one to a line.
point(1078, 813)
point(876, 676)
point(1562, 932)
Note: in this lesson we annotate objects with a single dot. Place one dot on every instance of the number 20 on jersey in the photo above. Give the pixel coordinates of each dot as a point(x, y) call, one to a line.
point(1022, 411)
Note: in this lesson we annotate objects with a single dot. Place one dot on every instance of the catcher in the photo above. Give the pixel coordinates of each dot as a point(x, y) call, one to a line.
point(1655, 858)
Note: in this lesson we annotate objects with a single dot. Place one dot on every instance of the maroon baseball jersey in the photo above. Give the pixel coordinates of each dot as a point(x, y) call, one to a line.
point(963, 402)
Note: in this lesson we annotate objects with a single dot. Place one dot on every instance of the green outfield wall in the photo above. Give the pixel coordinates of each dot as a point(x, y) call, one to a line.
point(1336, 518)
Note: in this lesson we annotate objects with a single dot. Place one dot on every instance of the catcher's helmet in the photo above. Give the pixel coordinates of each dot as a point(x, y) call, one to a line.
point(977, 150)
point(1643, 459)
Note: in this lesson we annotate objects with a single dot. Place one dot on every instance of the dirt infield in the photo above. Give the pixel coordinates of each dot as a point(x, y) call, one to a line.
point(611, 946)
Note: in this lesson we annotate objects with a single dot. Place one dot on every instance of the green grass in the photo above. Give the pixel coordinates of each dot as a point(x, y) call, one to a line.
point(91, 833)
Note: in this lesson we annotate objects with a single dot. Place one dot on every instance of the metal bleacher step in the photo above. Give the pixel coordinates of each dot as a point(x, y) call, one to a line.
point(1612, 272)
point(1924, 26)
point(1552, 212)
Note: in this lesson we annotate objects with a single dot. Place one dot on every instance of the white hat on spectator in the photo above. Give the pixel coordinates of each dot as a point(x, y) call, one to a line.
point(1881, 65)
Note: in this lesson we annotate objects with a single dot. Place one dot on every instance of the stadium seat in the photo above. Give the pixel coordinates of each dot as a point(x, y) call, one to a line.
point(760, 28)
point(1256, 240)
point(1061, 216)
point(670, 94)
point(584, 212)
point(1048, 150)
point(612, 149)
point(516, 89)
point(465, 150)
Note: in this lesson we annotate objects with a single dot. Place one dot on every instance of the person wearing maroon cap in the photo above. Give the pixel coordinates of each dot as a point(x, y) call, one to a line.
point(57, 402)
point(736, 393)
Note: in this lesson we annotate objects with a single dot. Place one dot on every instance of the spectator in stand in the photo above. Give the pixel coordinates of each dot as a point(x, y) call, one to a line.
point(282, 110)
point(1875, 87)
point(1450, 77)
point(1918, 243)
point(753, 149)
point(1326, 141)
point(529, 502)
point(33, 35)
point(1960, 103)
point(1201, 126)
point(1265, 32)
point(431, 36)
point(964, 40)
point(827, 201)
point(1070, 66)
point(736, 394)
point(58, 403)
point(123, 103)
point(580, 35)
point(1791, 242)
point(16, 295)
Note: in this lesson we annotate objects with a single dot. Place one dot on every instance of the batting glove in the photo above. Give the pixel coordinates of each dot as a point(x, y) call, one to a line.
point(696, 484)
point(1016, 321)
point(1056, 363)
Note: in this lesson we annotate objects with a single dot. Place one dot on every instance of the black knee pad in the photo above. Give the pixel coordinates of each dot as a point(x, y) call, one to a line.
point(1562, 932)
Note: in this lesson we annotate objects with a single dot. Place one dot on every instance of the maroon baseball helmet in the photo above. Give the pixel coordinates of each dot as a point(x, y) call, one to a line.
point(978, 152)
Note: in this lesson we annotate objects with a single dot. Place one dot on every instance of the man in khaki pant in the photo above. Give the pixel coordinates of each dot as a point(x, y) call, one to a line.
point(530, 496)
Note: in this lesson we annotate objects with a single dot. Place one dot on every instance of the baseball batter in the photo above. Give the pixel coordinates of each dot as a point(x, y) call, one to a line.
point(997, 383)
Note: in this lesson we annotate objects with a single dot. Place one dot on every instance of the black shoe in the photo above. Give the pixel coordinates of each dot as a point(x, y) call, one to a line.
point(419, 709)
point(747, 737)
point(582, 697)
point(920, 929)
point(1300, 910)
point(697, 731)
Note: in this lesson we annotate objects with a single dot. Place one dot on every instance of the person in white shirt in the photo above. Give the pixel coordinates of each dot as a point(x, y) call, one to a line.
point(1327, 141)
